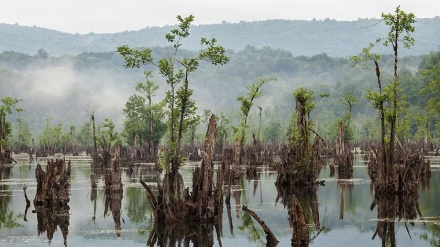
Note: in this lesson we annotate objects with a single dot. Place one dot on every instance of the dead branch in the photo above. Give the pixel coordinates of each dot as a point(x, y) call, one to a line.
point(271, 239)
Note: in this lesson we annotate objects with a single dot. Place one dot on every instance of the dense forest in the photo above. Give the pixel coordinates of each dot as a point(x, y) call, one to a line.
point(335, 38)
point(59, 90)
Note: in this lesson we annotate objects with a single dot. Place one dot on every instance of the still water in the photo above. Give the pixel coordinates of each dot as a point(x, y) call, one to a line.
point(345, 217)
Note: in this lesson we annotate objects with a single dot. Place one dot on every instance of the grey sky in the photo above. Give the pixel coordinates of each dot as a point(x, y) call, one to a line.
point(102, 16)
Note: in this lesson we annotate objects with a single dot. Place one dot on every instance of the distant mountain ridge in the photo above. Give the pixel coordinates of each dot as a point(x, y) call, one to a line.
point(335, 38)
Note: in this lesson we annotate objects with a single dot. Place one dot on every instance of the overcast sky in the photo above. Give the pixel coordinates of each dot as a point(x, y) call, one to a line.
point(109, 16)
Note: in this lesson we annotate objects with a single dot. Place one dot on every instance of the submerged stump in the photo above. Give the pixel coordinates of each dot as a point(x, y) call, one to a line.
point(410, 167)
point(52, 197)
point(175, 207)
point(53, 185)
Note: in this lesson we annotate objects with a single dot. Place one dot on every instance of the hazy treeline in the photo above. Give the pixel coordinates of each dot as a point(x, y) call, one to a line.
point(59, 90)
point(335, 38)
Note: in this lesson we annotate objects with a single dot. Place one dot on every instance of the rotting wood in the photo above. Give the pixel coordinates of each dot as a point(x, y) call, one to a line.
point(343, 156)
point(270, 237)
point(52, 197)
point(300, 235)
point(53, 185)
point(204, 203)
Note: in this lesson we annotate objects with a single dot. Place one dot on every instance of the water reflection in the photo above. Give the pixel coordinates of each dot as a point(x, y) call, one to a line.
point(50, 218)
point(392, 208)
point(8, 219)
point(302, 206)
point(343, 185)
point(344, 207)
point(113, 202)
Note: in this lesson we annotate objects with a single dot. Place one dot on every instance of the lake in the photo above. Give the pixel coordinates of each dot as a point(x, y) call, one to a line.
point(345, 214)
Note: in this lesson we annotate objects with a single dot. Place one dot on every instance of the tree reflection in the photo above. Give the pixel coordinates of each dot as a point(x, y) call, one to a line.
point(114, 194)
point(435, 238)
point(343, 185)
point(253, 234)
point(302, 205)
point(136, 205)
point(184, 233)
point(390, 208)
point(50, 218)
point(113, 202)
point(7, 218)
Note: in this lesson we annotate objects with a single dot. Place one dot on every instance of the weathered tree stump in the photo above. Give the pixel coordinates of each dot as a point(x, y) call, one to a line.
point(113, 182)
point(174, 208)
point(408, 170)
point(53, 185)
point(343, 156)
point(300, 234)
point(52, 198)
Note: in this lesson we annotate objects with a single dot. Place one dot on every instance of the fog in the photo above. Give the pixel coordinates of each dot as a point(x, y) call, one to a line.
point(62, 93)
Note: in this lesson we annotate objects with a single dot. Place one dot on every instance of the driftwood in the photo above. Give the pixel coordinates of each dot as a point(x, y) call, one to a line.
point(270, 237)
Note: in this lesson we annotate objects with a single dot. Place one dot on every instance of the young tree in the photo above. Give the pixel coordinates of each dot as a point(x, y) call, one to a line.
point(143, 118)
point(24, 136)
point(349, 100)
point(85, 135)
point(91, 112)
point(176, 71)
point(298, 163)
point(7, 106)
point(254, 92)
point(400, 29)
point(108, 139)
point(400, 23)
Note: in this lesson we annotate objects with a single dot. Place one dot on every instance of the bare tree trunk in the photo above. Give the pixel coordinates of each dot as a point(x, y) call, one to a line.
point(95, 146)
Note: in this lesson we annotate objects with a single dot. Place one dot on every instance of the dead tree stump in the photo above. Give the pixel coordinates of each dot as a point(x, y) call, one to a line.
point(174, 207)
point(53, 185)
point(343, 156)
point(300, 235)
point(52, 198)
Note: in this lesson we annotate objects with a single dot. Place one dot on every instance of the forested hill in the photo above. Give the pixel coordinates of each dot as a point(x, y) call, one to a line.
point(335, 38)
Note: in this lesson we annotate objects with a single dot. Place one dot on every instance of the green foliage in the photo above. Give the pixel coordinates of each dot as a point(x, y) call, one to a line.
point(377, 99)
point(8, 220)
point(304, 97)
point(254, 233)
point(254, 92)
point(23, 136)
point(399, 22)
point(143, 118)
point(107, 137)
point(85, 135)
point(176, 69)
point(299, 130)
point(7, 106)
point(273, 132)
